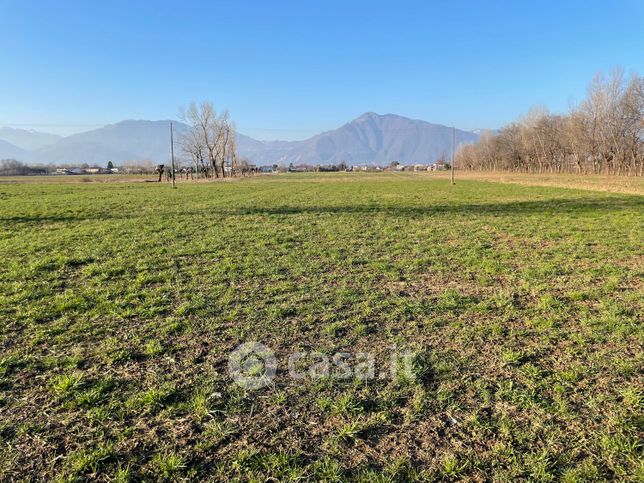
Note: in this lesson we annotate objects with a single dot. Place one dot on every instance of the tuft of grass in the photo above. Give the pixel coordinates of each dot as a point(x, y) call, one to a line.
point(452, 467)
point(199, 403)
point(122, 474)
point(218, 431)
point(348, 432)
point(87, 461)
point(327, 470)
point(168, 464)
point(153, 348)
point(155, 398)
point(64, 385)
point(512, 357)
point(346, 405)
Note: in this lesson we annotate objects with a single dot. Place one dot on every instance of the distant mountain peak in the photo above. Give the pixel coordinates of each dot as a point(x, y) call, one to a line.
point(378, 139)
point(367, 115)
point(375, 116)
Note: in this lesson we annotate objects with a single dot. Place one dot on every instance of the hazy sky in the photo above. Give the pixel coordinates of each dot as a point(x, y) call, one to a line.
point(288, 70)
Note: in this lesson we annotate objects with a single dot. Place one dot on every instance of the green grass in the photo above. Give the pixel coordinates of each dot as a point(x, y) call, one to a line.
point(521, 308)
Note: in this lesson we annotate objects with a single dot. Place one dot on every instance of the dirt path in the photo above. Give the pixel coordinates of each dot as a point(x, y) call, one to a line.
point(612, 184)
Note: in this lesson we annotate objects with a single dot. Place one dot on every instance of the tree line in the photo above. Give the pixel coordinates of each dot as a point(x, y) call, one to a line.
point(604, 134)
point(12, 167)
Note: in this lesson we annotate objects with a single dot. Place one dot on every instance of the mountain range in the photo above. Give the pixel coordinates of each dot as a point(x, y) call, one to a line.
point(27, 139)
point(370, 138)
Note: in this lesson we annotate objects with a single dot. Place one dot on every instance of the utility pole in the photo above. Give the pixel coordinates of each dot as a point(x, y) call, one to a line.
point(174, 185)
point(452, 161)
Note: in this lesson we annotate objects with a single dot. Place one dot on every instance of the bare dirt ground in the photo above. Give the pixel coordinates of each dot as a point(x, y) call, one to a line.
point(611, 184)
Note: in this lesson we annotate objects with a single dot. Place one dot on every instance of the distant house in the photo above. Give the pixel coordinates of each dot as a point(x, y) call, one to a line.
point(300, 168)
point(97, 170)
point(63, 171)
point(439, 166)
point(265, 169)
point(420, 167)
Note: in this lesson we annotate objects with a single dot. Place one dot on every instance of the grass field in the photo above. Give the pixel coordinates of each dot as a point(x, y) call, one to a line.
point(121, 302)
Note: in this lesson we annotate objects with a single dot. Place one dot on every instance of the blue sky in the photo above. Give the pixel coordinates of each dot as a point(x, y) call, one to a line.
point(287, 70)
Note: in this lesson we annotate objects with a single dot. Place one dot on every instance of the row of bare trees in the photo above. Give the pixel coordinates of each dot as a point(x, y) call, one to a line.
point(211, 141)
point(604, 134)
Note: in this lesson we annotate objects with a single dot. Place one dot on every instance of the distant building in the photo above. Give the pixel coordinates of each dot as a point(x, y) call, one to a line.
point(300, 168)
point(439, 166)
point(97, 170)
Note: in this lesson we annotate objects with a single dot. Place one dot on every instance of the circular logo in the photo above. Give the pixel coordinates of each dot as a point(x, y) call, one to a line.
point(252, 365)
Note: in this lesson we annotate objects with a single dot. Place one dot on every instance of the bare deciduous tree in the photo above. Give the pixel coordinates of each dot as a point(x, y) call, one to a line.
point(604, 134)
point(210, 141)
